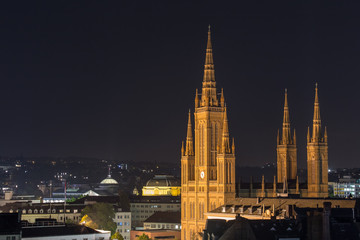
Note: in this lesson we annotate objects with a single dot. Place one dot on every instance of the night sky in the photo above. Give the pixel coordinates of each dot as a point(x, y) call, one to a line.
point(115, 80)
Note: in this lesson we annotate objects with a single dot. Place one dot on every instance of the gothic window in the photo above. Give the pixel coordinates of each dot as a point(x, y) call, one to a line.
point(229, 172)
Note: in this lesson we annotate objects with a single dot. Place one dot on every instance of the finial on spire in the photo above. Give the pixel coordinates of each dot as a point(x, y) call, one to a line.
point(222, 98)
point(182, 148)
point(196, 99)
point(209, 27)
point(285, 90)
point(233, 146)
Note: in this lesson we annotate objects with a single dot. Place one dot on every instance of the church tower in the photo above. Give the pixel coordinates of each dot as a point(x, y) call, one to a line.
point(317, 155)
point(208, 170)
point(286, 150)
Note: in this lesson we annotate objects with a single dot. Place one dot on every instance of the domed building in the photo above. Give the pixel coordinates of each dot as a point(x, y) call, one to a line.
point(162, 185)
point(108, 186)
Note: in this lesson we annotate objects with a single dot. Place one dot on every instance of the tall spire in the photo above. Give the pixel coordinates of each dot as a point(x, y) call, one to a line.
point(189, 150)
point(209, 75)
point(208, 95)
point(316, 121)
point(286, 135)
point(225, 135)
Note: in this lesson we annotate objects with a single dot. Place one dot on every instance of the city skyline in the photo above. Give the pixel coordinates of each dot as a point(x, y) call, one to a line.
point(120, 87)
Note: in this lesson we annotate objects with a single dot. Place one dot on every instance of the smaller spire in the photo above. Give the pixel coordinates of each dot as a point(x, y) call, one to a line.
point(278, 137)
point(263, 184)
point(294, 137)
point(325, 135)
point(308, 135)
point(196, 99)
point(233, 146)
point(182, 148)
point(316, 135)
point(222, 98)
point(225, 135)
point(189, 150)
point(286, 138)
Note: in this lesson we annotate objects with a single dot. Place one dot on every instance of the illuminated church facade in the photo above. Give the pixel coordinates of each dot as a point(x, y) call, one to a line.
point(208, 158)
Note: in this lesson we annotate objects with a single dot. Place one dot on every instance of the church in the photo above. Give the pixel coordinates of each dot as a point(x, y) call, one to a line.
point(208, 158)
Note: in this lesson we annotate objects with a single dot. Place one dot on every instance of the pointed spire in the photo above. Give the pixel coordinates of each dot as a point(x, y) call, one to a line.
point(182, 148)
point(189, 150)
point(263, 184)
point(233, 146)
point(278, 137)
point(196, 99)
point(286, 135)
point(294, 137)
point(316, 121)
point(325, 135)
point(209, 75)
point(225, 135)
point(308, 135)
point(222, 98)
point(209, 95)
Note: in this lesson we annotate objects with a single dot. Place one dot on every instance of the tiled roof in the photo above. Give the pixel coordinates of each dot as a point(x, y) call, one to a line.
point(164, 217)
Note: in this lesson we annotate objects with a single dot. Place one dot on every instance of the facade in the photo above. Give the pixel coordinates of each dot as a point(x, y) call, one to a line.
point(123, 223)
point(208, 159)
point(10, 226)
point(31, 212)
point(143, 207)
point(208, 168)
point(317, 155)
point(162, 185)
point(163, 220)
point(346, 187)
point(286, 150)
point(55, 231)
point(156, 234)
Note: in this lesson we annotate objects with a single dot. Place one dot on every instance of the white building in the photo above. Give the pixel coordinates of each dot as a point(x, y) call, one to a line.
point(123, 223)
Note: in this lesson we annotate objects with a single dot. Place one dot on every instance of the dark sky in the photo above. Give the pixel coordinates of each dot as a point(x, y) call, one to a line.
point(115, 80)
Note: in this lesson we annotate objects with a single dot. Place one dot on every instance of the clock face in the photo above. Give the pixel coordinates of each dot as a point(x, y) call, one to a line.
point(202, 174)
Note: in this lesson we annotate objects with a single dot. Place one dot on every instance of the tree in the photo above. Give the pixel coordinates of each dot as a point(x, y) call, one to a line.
point(99, 215)
point(117, 236)
point(144, 237)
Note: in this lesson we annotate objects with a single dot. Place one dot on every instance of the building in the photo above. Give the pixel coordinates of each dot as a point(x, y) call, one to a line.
point(142, 207)
point(10, 226)
point(208, 158)
point(156, 234)
point(208, 169)
point(122, 217)
point(123, 223)
point(346, 187)
point(162, 185)
point(30, 212)
point(272, 208)
point(52, 230)
point(163, 220)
